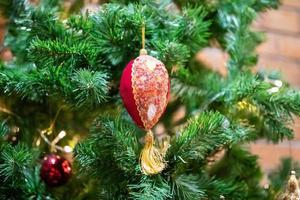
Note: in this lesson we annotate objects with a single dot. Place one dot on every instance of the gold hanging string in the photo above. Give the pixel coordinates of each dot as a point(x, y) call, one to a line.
point(51, 127)
point(143, 51)
point(143, 35)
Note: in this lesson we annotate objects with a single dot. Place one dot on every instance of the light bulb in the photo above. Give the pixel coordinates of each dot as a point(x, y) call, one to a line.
point(62, 134)
point(68, 149)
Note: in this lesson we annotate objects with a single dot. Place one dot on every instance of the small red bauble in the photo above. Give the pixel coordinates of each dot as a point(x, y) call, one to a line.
point(55, 170)
point(145, 89)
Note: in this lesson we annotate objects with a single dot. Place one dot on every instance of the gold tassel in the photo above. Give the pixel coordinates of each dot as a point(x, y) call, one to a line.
point(151, 159)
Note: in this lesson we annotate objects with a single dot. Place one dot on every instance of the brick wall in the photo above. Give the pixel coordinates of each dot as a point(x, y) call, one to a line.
point(2, 31)
point(281, 51)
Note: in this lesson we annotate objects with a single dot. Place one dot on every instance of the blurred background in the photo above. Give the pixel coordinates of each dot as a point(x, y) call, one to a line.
point(280, 51)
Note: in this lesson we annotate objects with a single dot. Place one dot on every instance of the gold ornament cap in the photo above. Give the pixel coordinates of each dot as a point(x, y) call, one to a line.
point(143, 52)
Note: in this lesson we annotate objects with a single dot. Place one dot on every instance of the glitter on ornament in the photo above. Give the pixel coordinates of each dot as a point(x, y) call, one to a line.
point(151, 91)
point(55, 170)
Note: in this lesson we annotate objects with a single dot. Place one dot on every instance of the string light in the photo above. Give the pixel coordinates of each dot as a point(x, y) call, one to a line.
point(60, 136)
point(68, 149)
point(38, 142)
point(54, 146)
point(53, 143)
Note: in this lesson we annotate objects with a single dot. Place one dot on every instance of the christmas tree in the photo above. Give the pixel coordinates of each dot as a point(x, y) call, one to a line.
point(60, 93)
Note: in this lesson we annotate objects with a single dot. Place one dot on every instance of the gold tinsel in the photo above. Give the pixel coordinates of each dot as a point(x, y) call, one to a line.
point(244, 105)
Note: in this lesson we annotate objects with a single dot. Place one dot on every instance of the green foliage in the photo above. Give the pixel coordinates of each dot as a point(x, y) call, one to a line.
point(4, 129)
point(196, 32)
point(76, 64)
point(116, 162)
point(236, 17)
point(175, 54)
point(20, 180)
point(193, 2)
point(34, 188)
point(260, 5)
point(243, 169)
point(201, 138)
point(150, 188)
point(56, 53)
point(91, 88)
point(187, 187)
point(13, 162)
point(117, 159)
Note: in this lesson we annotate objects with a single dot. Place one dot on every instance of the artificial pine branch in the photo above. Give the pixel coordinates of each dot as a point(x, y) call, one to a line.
point(4, 129)
point(13, 162)
point(78, 62)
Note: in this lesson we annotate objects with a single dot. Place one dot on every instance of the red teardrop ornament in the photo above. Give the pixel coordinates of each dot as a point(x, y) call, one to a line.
point(145, 89)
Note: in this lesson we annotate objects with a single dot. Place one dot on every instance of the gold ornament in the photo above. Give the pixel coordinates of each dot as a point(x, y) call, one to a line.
point(292, 190)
